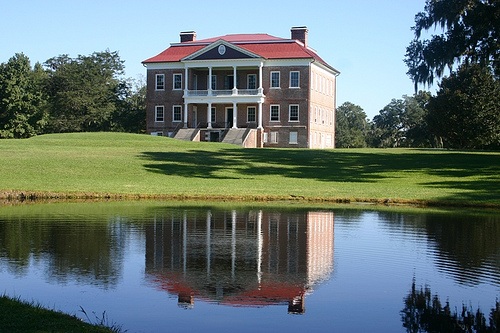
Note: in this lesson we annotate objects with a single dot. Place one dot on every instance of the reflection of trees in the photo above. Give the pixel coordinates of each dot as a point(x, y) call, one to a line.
point(425, 313)
point(470, 242)
point(81, 249)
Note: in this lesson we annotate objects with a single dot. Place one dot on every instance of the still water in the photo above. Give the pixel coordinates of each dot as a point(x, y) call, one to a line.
point(156, 267)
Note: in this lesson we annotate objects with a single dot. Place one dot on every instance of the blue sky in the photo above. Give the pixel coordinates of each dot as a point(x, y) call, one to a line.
point(364, 39)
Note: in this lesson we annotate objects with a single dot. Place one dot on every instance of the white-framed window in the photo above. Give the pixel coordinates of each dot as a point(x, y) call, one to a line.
point(157, 133)
point(160, 82)
point(275, 79)
point(293, 138)
point(294, 79)
point(177, 84)
point(212, 114)
point(252, 81)
point(273, 137)
point(159, 113)
point(177, 113)
point(213, 82)
point(251, 114)
point(274, 112)
point(266, 137)
point(293, 112)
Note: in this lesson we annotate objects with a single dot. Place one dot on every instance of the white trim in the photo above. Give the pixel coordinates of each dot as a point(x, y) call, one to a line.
point(156, 113)
point(255, 114)
point(173, 113)
point(156, 82)
point(248, 81)
point(290, 80)
point(270, 112)
point(271, 80)
point(216, 44)
point(173, 81)
point(290, 113)
point(288, 62)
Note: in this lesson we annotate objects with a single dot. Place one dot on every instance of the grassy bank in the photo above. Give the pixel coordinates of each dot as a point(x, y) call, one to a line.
point(117, 165)
point(18, 316)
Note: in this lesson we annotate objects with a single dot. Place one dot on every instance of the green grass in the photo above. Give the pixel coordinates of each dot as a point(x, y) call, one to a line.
point(130, 165)
point(18, 316)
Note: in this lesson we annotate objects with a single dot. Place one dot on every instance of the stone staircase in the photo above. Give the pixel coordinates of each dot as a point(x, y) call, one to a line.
point(186, 134)
point(235, 136)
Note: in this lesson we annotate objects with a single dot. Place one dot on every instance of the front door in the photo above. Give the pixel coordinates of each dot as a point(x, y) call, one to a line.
point(229, 117)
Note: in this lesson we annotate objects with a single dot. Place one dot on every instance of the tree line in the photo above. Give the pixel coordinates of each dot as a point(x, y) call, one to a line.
point(86, 93)
point(465, 112)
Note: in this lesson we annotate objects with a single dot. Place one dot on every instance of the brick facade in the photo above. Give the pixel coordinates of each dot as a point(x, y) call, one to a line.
point(302, 116)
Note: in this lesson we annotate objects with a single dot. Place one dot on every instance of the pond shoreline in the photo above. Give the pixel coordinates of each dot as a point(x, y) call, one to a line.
point(42, 196)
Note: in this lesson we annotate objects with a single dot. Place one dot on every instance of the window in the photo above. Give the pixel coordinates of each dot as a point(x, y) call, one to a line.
point(214, 82)
point(275, 113)
point(293, 112)
point(177, 81)
point(177, 113)
point(252, 81)
point(293, 138)
point(212, 115)
point(159, 113)
point(160, 82)
point(294, 79)
point(251, 114)
point(274, 137)
point(275, 79)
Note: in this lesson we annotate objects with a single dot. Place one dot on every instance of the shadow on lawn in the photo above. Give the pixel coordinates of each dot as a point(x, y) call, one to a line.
point(338, 166)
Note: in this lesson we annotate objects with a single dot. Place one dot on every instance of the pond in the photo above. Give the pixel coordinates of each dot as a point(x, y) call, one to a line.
point(163, 267)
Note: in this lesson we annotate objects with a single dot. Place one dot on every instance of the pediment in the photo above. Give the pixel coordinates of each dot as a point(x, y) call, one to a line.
point(221, 50)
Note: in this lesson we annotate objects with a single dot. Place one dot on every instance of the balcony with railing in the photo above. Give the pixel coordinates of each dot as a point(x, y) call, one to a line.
point(225, 92)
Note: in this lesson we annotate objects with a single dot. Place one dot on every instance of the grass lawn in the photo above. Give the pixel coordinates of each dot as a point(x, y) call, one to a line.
point(22, 317)
point(132, 165)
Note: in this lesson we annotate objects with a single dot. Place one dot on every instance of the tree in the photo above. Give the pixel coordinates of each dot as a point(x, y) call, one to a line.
point(471, 31)
point(414, 120)
point(402, 123)
point(387, 126)
point(22, 104)
point(351, 126)
point(85, 92)
point(466, 111)
point(131, 115)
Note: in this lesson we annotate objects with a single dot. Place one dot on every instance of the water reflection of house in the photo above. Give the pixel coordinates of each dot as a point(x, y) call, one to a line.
point(250, 258)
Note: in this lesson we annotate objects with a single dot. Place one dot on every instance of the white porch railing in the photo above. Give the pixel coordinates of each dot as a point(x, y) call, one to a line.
point(239, 92)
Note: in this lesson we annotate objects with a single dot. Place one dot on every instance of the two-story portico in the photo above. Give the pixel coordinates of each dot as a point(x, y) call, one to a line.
point(249, 89)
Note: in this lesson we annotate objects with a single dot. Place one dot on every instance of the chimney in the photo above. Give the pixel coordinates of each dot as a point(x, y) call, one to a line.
point(300, 34)
point(188, 36)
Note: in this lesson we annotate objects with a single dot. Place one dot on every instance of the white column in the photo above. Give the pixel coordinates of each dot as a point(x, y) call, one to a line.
point(235, 114)
point(185, 114)
point(260, 246)
point(233, 244)
point(185, 81)
point(209, 81)
point(185, 95)
point(209, 115)
point(184, 243)
point(261, 89)
point(209, 241)
point(260, 115)
point(235, 90)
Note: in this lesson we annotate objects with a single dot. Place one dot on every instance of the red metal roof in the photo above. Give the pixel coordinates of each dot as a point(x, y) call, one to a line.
point(264, 45)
